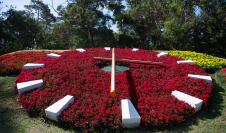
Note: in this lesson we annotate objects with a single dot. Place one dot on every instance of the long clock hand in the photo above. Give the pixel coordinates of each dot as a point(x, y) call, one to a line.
point(113, 72)
point(129, 60)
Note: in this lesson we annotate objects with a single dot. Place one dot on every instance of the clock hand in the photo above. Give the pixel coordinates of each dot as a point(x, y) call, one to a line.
point(129, 60)
point(113, 72)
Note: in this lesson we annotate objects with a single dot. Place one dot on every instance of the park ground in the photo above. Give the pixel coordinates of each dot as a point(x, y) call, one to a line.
point(13, 119)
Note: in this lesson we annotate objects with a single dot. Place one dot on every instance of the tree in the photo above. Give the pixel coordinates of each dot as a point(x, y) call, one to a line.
point(148, 24)
point(86, 23)
point(143, 21)
point(42, 13)
point(173, 24)
point(44, 18)
point(209, 31)
point(18, 31)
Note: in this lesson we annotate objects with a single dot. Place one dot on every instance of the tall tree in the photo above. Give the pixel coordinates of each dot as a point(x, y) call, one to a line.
point(173, 24)
point(18, 31)
point(86, 23)
point(42, 13)
point(143, 21)
point(44, 18)
point(209, 30)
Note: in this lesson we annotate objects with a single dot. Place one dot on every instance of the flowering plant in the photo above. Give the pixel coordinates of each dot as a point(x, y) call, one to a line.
point(13, 62)
point(224, 70)
point(203, 60)
point(148, 86)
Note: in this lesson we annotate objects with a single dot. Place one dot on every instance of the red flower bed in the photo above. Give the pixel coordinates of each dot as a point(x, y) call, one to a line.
point(12, 63)
point(224, 70)
point(149, 88)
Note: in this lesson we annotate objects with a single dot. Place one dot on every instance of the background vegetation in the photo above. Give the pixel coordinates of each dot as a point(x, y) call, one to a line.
point(194, 25)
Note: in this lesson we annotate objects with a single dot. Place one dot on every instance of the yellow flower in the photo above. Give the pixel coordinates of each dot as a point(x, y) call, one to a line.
point(203, 60)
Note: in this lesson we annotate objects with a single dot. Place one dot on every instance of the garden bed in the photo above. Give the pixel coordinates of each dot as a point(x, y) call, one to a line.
point(149, 87)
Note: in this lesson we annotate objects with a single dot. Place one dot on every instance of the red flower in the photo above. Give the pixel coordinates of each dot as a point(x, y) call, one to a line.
point(149, 87)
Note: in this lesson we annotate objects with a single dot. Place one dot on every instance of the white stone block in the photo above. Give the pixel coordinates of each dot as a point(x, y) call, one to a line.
point(53, 111)
point(192, 101)
point(186, 62)
point(162, 54)
point(29, 85)
point(52, 55)
point(204, 77)
point(33, 65)
point(135, 49)
point(130, 116)
point(80, 50)
point(107, 48)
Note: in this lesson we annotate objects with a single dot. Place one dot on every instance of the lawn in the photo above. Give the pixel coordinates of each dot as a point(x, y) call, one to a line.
point(14, 119)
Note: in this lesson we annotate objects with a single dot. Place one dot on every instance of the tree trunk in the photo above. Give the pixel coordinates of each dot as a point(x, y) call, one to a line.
point(186, 10)
point(90, 36)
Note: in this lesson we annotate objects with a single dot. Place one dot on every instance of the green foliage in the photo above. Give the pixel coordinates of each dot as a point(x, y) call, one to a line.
point(42, 11)
point(203, 60)
point(84, 25)
point(147, 24)
point(173, 24)
point(143, 21)
point(18, 31)
point(45, 19)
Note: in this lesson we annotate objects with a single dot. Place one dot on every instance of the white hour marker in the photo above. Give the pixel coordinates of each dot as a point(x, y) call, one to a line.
point(81, 50)
point(130, 116)
point(135, 49)
point(192, 101)
point(161, 54)
point(107, 48)
point(33, 65)
point(204, 77)
point(53, 111)
point(186, 62)
point(29, 85)
point(52, 55)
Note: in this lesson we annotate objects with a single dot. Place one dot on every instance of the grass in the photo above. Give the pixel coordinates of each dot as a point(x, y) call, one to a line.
point(13, 119)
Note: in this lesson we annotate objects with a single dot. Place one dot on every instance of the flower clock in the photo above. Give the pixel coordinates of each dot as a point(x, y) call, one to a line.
point(113, 88)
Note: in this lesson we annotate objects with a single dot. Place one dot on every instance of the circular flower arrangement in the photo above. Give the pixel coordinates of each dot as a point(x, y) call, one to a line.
point(148, 86)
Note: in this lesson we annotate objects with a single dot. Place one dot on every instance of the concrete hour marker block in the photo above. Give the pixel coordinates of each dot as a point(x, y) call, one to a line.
point(53, 111)
point(135, 49)
point(186, 62)
point(80, 50)
point(162, 54)
point(206, 78)
point(30, 85)
point(193, 101)
point(33, 65)
point(130, 116)
point(107, 48)
point(52, 55)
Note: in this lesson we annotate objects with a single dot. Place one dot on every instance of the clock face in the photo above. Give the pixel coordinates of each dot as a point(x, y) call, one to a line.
point(148, 86)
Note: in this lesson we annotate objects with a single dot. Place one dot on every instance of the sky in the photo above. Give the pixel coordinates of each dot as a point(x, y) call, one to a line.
point(19, 5)
point(197, 10)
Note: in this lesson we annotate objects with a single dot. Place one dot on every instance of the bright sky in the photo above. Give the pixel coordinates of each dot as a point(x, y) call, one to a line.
point(19, 5)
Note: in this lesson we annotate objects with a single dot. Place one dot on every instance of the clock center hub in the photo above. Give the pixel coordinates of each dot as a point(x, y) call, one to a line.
point(118, 69)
